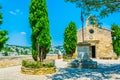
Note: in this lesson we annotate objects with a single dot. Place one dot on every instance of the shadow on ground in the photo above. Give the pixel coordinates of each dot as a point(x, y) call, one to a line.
point(102, 72)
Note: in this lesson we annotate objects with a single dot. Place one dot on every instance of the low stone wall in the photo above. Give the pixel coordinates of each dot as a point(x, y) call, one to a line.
point(51, 56)
point(37, 71)
point(9, 61)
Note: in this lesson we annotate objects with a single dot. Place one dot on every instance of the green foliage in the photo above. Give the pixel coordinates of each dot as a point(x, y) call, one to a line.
point(0, 7)
point(49, 65)
point(98, 8)
point(30, 64)
point(102, 7)
point(34, 54)
point(65, 57)
point(0, 17)
point(70, 38)
point(6, 53)
point(38, 18)
point(3, 34)
point(116, 38)
point(3, 38)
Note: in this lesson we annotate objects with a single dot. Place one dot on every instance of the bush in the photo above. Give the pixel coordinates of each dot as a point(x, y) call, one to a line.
point(6, 53)
point(49, 65)
point(65, 57)
point(31, 64)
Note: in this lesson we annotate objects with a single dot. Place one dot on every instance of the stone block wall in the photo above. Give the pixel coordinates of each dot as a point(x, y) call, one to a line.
point(101, 38)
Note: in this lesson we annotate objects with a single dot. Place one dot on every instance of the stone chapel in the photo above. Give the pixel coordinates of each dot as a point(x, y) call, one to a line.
point(95, 41)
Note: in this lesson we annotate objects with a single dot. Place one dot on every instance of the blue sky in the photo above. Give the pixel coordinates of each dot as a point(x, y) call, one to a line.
point(15, 20)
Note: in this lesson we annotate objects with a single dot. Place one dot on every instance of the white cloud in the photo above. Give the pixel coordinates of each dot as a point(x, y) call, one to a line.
point(23, 33)
point(11, 12)
point(16, 12)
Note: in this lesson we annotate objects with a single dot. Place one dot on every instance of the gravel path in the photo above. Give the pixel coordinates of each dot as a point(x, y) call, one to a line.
point(13, 73)
point(107, 70)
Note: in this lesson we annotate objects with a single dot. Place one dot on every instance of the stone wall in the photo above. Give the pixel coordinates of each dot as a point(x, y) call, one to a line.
point(101, 38)
point(37, 71)
point(9, 61)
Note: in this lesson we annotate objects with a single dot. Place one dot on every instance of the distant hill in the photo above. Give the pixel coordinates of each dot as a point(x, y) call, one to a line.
point(53, 49)
point(19, 50)
point(25, 50)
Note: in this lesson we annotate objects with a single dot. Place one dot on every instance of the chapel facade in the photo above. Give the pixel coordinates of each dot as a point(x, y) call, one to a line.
point(95, 41)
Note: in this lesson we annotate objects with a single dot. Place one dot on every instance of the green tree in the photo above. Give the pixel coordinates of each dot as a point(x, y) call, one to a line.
point(41, 40)
point(102, 7)
point(70, 39)
point(116, 38)
point(3, 34)
point(98, 8)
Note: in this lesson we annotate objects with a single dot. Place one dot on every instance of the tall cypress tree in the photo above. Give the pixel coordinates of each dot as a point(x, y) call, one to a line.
point(70, 39)
point(41, 40)
point(3, 34)
point(116, 38)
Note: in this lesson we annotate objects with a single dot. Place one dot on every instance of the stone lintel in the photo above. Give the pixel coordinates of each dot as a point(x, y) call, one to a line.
point(88, 42)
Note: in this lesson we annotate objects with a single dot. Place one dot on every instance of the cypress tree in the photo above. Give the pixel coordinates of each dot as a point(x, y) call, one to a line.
point(3, 34)
point(116, 38)
point(41, 40)
point(70, 39)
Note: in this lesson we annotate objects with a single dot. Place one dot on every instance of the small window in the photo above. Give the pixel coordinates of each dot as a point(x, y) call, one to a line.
point(91, 31)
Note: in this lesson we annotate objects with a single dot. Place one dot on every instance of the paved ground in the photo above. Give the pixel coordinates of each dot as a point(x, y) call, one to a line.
point(13, 73)
point(107, 70)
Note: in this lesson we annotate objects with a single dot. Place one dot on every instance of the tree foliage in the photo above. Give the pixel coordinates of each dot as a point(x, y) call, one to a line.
point(116, 38)
point(102, 7)
point(3, 34)
point(41, 40)
point(1, 16)
point(70, 38)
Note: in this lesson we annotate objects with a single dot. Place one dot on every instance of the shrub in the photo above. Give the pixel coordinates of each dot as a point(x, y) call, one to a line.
point(31, 64)
point(6, 53)
point(49, 65)
point(65, 57)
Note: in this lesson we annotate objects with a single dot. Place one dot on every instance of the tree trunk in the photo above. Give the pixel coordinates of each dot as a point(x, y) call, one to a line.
point(70, 56)
point(39, 54)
